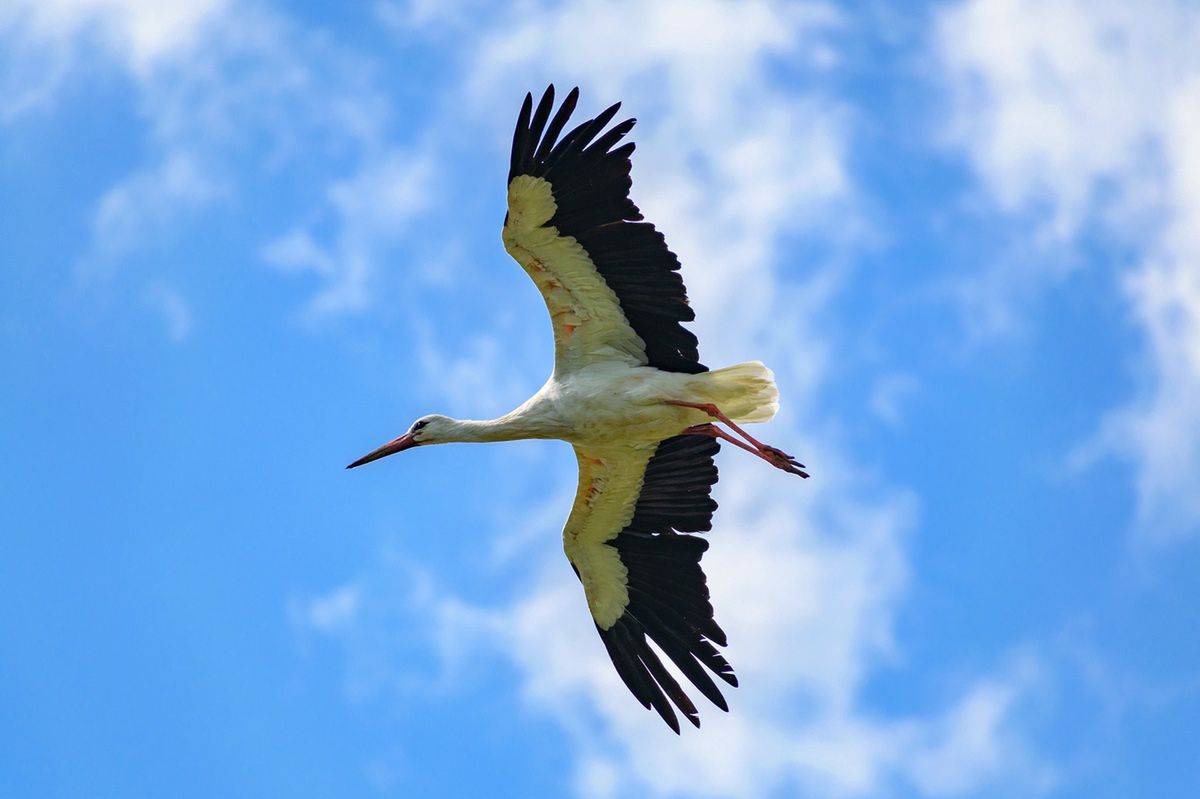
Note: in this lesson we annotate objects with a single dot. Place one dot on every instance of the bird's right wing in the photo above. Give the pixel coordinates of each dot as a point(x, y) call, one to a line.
point(626, 539)
point(611, 285)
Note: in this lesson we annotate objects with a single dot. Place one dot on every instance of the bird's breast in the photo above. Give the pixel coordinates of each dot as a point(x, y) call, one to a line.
point(613, 404)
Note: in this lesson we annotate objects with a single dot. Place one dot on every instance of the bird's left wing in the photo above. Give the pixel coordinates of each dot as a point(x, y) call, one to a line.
point(627, 541)
point(611, 285)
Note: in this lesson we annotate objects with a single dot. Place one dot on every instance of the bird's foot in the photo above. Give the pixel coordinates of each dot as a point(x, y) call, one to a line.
point(781, 460)
point(772, 455)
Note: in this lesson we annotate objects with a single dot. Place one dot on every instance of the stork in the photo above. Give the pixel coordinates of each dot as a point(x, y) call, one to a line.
point(629, 393)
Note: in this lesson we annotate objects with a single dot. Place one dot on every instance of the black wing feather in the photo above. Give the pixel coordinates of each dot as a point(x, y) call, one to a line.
point(668, 593)
point(590, 182)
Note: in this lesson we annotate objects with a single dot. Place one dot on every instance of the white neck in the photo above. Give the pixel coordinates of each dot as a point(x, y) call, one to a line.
point(510, 427)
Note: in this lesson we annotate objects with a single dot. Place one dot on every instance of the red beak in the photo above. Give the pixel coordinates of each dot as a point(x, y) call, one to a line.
point(392, 447)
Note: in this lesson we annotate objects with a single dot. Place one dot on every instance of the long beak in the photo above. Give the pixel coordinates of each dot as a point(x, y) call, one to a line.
point(392, 447)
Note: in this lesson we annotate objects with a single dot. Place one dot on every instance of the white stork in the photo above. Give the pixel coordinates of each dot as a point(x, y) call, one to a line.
point(629, 393)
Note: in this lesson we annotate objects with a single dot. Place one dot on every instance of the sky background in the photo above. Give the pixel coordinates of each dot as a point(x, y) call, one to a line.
point(243, 243)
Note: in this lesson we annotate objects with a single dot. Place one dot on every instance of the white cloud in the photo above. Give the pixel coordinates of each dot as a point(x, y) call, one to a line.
point(807, 607)
point(1052, 98)
point(807, 596)
point(428, 17)
point(147, 202)
point(373, 209)
point(173, 308)
point(296, 251)
point(1160, 429)
point(140, 31)
point(1087, 111)
point(397, 614)
point(31, 70)
point(971, 745)
point(473, 373)
point(889, 394)
point(803, 634)
point(232, 96)
point(331, 612)
point(44, 35)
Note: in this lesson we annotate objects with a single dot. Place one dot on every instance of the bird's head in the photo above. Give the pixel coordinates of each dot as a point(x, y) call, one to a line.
point(432, 429)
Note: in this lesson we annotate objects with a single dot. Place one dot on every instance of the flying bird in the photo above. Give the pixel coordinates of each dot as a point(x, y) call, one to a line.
point(630, 394)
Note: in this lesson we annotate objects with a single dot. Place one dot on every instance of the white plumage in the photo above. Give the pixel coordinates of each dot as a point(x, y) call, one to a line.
point(629, 393)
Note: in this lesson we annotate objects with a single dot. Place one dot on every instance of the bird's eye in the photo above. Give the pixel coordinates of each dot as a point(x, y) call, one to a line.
point(419, 424)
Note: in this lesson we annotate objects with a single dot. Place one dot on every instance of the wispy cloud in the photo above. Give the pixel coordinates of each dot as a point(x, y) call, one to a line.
point(372, 210)
point(889, 394)
point(147, 203)
point(46, 35)
point(229, 99)
point(1160, 429)
point(809, 609)
point(1026, 80)
point(139, 31)
point(174, 309)
point(973, 743)
point(1083, 113)
point(330, 613)
point(805, 633)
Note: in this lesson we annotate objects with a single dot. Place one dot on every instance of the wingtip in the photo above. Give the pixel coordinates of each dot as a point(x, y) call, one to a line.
point(571, 100)
point(666, 712)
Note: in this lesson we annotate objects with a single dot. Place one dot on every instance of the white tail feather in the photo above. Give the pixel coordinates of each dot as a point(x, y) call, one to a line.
point(745, 392)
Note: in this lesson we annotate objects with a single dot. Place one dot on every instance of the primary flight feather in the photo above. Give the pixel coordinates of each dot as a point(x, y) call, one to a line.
point(629, 392)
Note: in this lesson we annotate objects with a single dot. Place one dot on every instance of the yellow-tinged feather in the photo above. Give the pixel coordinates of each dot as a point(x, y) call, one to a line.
point(589, 325)
point(610, 480)
point(601, 393)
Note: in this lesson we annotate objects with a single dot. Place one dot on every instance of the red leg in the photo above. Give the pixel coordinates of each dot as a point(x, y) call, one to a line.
point(712, 431)
point(715, 412)
point(771, 455)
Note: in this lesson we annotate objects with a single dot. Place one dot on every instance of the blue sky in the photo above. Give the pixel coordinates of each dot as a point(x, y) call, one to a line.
point(241, 244)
